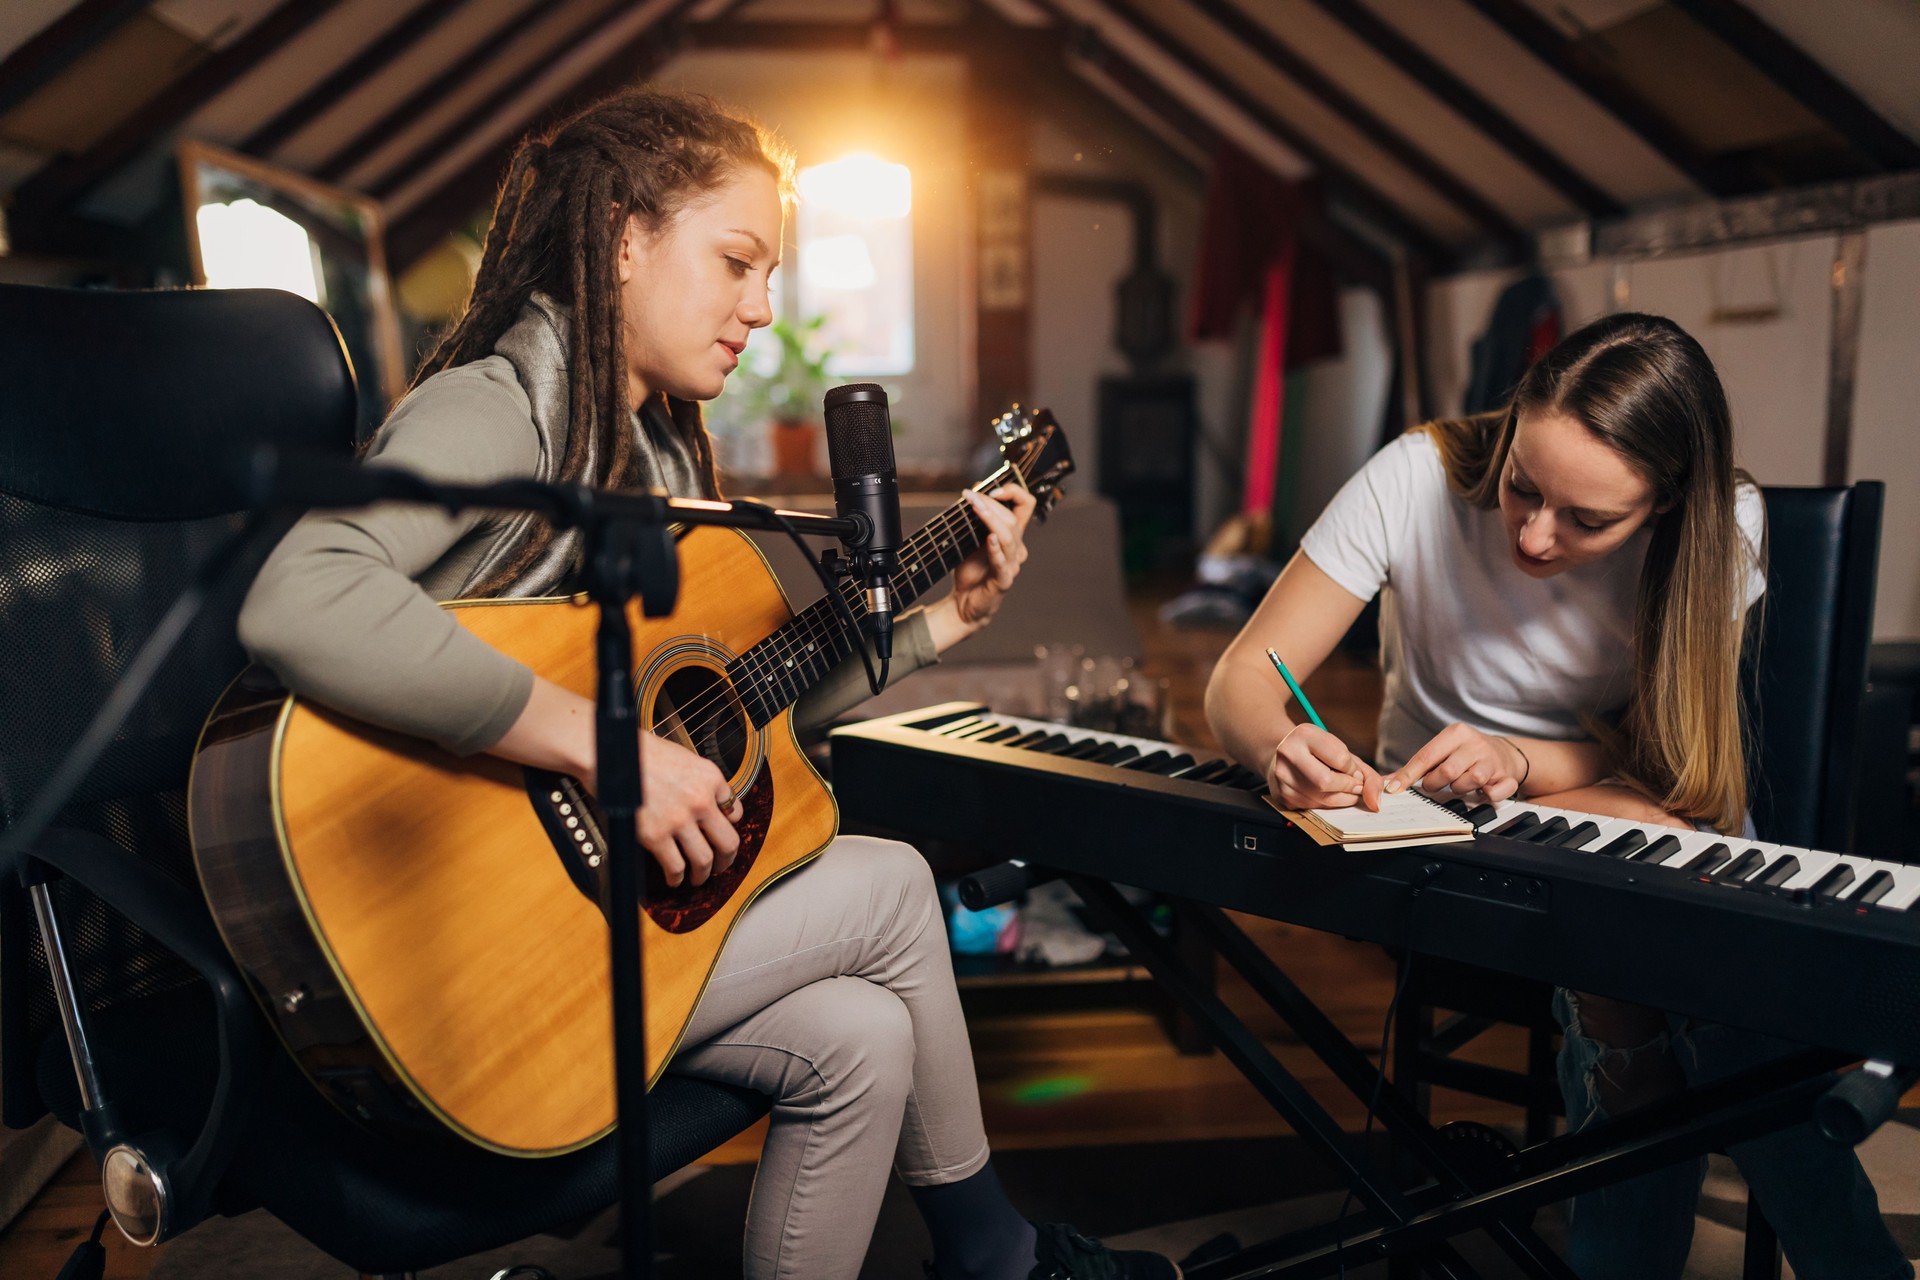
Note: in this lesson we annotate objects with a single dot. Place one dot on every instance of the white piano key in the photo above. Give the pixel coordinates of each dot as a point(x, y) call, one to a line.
point(1866, 867)
point(1813, 865)
point(1906, 888)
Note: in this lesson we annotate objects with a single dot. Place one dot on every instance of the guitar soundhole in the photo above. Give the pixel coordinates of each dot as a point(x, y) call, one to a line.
point(699, 702)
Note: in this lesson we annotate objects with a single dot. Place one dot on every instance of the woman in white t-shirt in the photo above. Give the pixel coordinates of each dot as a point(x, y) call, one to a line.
point(1565, 587)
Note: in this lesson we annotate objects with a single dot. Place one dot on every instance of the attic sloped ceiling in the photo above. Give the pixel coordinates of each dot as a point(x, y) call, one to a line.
point(1449, 126)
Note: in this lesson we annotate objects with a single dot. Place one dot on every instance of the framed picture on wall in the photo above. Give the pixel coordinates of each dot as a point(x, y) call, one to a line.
point(252, 225)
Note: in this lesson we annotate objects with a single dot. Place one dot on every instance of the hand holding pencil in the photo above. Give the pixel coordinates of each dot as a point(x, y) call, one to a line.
point(1313, 769)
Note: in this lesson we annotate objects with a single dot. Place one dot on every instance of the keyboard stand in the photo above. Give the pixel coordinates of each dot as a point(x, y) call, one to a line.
point(1414, 1229)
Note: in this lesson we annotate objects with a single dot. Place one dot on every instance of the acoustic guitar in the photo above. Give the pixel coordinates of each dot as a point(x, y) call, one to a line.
point(426, 931)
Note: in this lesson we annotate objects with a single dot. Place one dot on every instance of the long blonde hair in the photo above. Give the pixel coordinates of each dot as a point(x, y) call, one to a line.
point(1641, 384)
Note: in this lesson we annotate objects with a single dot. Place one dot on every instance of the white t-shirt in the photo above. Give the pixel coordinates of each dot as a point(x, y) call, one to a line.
point(1465, 635)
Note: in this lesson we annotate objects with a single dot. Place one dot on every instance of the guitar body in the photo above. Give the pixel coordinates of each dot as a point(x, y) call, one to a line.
point(425, 930)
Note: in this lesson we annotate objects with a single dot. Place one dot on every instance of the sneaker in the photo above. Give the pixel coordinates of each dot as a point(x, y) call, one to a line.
point(1065, 1254)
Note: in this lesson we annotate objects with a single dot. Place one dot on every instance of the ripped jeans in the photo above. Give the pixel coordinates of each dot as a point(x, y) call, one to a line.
point(1814, 1191)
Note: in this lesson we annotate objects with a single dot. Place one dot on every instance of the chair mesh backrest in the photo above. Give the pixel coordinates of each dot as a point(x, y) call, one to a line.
point(88, 565)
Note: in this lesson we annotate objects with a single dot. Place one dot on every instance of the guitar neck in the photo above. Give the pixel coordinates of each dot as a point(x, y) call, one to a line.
point(774, 673)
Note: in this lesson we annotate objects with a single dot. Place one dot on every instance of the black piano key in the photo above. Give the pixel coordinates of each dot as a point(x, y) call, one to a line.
point(1737, 871)
point(1149, 763)
point(1458, 807)
point(1027, 739)
point(1575, 836)
point(1481, 814)
point(1708, 860)
point(1208, 771)
point(1084, 749)
point(1112, 751)
point(1659, 851)
point(1245, 779)
point(1546, 831)
point(959, 726)
point(1053, 744)
point(1526, 818)
point(1122, 754)
point(1779, 871)
point(1174, 764)
point(1625, 843)
point(1833, 882)
point(1000, 735)
point(976, 731)
point(1873, 888)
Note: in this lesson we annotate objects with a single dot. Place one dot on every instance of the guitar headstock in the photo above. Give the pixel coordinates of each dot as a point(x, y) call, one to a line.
point(1032, 442)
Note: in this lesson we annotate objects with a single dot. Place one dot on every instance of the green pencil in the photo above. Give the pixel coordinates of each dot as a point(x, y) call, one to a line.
point(1299, 694)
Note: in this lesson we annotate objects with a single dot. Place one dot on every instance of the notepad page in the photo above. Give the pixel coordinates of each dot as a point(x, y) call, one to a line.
point(1402, 814)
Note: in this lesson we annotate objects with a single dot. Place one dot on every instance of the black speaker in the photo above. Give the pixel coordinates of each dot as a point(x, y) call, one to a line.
point(1147, 432)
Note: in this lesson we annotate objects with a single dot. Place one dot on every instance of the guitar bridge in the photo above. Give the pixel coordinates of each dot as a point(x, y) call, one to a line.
point(574, 826)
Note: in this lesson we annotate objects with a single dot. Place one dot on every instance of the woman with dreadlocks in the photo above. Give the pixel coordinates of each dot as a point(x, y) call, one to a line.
point(627, 261)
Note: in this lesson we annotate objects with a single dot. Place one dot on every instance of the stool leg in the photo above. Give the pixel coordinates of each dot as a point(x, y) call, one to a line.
point(1763, 1246)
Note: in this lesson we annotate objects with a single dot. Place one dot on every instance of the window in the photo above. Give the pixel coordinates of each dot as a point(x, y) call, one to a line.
point(854, 245)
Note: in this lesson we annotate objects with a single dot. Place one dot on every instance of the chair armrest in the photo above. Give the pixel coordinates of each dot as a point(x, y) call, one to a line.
point(178, 921)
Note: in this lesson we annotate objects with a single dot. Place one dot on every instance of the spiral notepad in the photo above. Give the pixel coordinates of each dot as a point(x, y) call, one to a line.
point(1406, 817)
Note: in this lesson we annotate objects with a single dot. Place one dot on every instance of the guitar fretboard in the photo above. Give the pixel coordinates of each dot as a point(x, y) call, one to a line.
point(774, 673)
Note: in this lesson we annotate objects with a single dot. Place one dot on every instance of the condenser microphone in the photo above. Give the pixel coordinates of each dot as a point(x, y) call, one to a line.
point(860, 454)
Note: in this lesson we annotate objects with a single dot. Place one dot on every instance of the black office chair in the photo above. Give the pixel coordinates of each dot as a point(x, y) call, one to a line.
point(1802, 678)
point(121, 415)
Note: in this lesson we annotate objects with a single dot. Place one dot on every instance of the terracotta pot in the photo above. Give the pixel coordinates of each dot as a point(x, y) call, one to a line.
point(796, 448)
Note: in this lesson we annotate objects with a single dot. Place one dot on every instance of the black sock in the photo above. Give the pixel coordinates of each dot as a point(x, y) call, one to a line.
point(977, 1233)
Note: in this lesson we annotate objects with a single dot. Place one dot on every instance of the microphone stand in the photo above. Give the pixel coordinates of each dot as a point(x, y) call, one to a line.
point(628, 552)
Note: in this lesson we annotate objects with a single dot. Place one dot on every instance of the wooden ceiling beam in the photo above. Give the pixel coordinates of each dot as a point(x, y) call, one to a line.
point(453, 201)
point(1342, 182)
point(488, 109)
point(1353, 256)
point(1589, 72)
point(58, 186)
point(370, 61)
point(350, 153)
point(1806, 81)
point(61, 44)
point(1467, 102)
point(1283, 58)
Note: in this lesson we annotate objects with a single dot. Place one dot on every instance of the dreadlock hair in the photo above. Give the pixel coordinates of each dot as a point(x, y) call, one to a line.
point(1643, 385)
point(557, 225)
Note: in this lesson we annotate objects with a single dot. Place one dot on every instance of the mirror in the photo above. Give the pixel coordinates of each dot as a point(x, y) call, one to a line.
point(254, 225)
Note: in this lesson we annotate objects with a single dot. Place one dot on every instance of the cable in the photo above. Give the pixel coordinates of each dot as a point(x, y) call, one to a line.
point(874, 683)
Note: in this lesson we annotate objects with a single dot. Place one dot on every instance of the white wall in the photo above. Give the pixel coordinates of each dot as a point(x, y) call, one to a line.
point(1081, 249)
point(1774, 370)
point(1338, 407)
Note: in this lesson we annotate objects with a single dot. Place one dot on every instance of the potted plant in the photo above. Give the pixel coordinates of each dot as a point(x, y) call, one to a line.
point(787, 397)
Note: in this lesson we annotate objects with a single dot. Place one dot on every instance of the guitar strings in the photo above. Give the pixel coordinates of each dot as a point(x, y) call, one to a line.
point(816, 623)
point(824, 626)
point(798, 639)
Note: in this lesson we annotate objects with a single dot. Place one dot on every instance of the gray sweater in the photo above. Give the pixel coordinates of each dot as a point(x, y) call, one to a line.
point(344, 611)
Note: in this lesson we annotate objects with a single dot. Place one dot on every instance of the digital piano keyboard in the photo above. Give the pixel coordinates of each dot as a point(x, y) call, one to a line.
point(1816, 947)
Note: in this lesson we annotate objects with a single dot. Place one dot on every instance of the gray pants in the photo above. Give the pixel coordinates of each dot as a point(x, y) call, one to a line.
point(835, 995)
